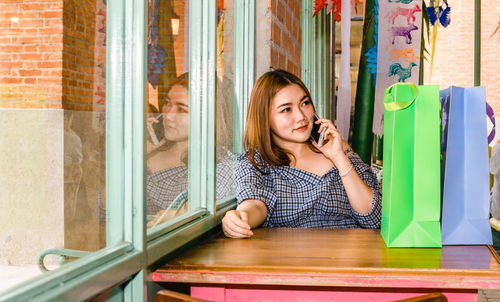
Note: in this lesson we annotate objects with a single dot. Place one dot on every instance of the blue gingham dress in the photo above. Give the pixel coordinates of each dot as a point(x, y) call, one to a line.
point(297, 198)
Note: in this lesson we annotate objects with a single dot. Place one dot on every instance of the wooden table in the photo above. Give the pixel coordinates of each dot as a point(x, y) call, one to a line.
point(329, 265)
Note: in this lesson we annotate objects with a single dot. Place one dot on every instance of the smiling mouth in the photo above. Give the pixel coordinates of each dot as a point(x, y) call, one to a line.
point(301, 128)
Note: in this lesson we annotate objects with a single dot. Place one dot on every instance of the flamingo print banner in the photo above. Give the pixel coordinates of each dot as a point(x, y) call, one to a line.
point(398, 56)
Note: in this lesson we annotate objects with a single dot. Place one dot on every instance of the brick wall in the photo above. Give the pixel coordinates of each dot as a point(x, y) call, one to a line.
point(99, 95)
point(47, 54)
point(31, 43)
point(285, 36)
point(78, 53)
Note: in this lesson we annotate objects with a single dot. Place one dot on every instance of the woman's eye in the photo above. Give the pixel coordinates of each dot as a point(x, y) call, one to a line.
point(305, 103)
point(287, 109)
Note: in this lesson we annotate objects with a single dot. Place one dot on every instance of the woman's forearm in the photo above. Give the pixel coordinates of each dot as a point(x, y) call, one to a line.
point(256, 210)
point(360, 194)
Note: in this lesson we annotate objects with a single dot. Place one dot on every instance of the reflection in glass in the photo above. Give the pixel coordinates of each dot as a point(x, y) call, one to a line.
point(167, 122)
point(167, 160)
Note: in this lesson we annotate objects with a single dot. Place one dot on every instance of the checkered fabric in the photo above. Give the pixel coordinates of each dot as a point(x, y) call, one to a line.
point(169, 185)
point(297, 198)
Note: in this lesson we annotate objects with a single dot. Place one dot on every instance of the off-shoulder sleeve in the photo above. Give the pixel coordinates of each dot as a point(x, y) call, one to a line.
point(370, 220)
point(250, 183)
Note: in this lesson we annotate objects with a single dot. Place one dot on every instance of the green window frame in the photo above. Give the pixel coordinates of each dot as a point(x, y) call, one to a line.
point(122, 265)
point(315, 57)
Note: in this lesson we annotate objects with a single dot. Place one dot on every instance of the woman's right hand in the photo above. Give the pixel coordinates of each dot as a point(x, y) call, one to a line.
point(235, 224)
point(150, 146)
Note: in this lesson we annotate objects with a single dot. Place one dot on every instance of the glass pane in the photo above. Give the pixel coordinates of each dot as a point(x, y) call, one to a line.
point(52, 116)
point(168, 111)
point(225, 99)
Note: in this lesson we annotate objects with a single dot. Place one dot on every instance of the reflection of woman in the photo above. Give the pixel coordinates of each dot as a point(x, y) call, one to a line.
point(167, 163)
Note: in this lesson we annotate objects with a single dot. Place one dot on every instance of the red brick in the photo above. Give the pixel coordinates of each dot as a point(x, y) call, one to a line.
point(282, 61)
point(275, 32)
point(8, 7)
point(11, 48)
point(29, 15)
point(30, 31)
point(51, 14)
point(30, 40)
point(12, 1)
point(49, 81)
point(49, 64)
point(50, 47)
point(274, 57)
point(51, 30)
point(280, 11)
point(29, 72)
point(53, 39)
point(4, 23)
point(30, 48)
point(32, 23)
point(7, 15)
point(272, 5)
point(288, 20)
point(6, 80)
point(30, 56)
point(30, 81)
point(28, 64)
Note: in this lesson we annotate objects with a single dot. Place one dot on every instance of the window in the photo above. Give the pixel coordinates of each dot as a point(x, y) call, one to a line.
point(53, 117)
point(113, 139)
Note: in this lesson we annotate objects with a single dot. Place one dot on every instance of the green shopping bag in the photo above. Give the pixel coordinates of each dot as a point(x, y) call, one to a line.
point(411, 185)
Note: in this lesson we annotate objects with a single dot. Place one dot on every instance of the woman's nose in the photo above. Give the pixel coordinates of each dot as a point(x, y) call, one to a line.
point(169, 114)
point(299, 115)
point(170, 110)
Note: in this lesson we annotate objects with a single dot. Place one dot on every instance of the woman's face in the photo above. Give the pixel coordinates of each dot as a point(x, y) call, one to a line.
point(176, 114)
point(291, 115)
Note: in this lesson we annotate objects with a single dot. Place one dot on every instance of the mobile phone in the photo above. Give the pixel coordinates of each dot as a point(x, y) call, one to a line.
point(157, 134)
point(315, 135)
point(154, 137)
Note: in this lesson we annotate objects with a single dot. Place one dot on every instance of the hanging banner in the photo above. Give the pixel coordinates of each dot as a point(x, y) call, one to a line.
point(344, 102)
point(398, 55)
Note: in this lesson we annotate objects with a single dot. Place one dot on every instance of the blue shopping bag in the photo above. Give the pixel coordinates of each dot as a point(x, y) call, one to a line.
point(465, 212)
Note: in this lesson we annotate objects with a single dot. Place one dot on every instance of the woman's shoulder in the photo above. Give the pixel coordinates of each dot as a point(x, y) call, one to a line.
point(245, 163)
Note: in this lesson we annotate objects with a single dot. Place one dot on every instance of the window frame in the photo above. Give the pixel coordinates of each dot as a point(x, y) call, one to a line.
point(122, 264)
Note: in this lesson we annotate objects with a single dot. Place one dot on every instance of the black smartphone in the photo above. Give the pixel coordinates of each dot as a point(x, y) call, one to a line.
point(315, 135)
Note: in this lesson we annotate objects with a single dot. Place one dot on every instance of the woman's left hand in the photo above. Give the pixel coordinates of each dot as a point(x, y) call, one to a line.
point(333, 148)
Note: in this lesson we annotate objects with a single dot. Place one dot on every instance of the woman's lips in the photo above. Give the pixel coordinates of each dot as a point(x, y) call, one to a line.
point(303, 128)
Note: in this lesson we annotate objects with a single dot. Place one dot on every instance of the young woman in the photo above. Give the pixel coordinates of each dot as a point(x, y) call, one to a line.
point(285, 180)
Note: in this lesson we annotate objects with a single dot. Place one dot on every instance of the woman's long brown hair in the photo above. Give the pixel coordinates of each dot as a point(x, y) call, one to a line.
point(258, 130)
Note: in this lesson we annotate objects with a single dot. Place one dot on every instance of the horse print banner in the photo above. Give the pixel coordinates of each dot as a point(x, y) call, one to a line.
point(399, 36)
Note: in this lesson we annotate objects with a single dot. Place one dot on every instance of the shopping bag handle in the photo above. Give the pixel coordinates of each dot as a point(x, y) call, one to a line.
point(491, 116)
point(391, 105)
